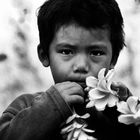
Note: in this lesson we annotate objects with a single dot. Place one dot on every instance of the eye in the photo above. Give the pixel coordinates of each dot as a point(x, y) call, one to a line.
point(97, 53)
point(66, 52)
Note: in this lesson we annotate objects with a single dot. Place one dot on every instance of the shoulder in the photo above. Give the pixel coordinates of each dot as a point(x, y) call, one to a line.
point(21, 102)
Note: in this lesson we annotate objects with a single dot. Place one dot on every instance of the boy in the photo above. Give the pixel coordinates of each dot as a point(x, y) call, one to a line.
point(77, 39)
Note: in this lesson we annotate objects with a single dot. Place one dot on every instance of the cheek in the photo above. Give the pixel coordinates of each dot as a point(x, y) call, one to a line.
point(106, 64)
point(59, 71)
point(95, 68)
point(106, 61)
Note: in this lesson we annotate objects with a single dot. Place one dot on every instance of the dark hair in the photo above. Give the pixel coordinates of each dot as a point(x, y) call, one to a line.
point(85, 13)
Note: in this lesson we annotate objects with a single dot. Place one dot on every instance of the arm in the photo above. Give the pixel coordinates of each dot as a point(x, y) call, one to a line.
point(33, 117)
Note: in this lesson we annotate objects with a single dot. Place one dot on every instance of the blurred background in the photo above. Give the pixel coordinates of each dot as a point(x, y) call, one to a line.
point(21, 71)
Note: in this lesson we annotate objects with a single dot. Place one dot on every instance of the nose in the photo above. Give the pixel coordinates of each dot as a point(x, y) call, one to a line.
point(81, 65)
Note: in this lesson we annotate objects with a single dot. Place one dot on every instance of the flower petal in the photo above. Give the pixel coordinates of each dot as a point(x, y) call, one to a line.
point(90, 104)
point(70, 135)
point(77, 125)
point(84, 136)
point(101, 73)
point(126, 119)
point(76, 133)
point(102, 85)
point(123, 107)
point(67, 129)
point(85, 116)
point(132, 102)
point(137, 115)
point(110, 75)
point(96, 94)
point(88, 130)
point(112, 100)
point(101, 104)
point(91, 81)
point(71, 118)
point(109, 83)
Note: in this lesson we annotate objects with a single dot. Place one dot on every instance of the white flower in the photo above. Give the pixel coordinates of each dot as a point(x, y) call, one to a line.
point(130, 111)
point(100, 93)
point(77, 131)
point(76, 116)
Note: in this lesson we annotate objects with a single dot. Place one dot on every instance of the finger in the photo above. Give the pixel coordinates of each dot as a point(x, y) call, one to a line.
point(75, 99)
point(64, 85)
point(73, 91)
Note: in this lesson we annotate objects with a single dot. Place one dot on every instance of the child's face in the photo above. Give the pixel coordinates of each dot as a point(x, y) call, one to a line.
point(76, 53)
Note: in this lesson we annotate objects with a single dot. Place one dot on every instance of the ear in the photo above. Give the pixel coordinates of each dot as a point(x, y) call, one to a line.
point(42, 56)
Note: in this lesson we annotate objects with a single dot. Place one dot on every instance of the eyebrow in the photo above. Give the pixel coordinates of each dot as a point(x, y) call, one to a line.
point(65, 45)
point(89, 47)
point(99, 46)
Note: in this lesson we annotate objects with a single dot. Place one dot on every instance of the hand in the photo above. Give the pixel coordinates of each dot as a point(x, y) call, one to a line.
point(121, 89)
point(71, 91)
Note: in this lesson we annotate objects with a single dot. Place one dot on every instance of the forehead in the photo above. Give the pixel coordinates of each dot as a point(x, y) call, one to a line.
point(74, 33)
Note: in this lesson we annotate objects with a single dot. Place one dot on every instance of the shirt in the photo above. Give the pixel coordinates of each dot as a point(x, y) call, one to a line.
point(41, 116)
